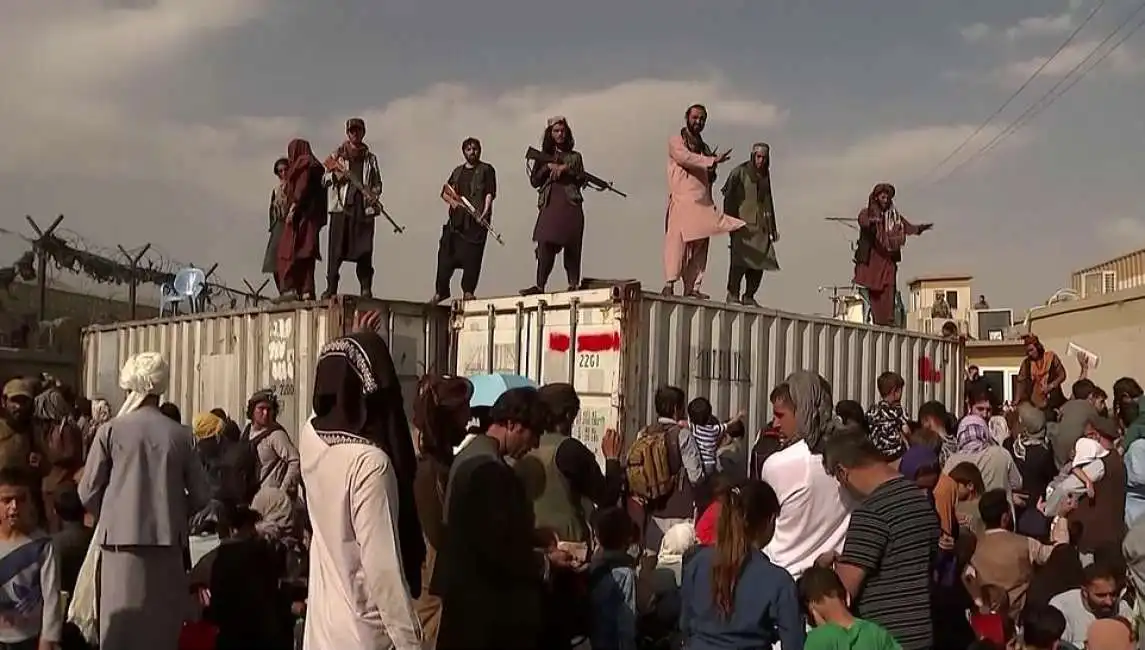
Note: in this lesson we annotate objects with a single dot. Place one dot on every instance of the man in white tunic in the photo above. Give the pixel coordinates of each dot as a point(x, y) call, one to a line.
point(363, 553)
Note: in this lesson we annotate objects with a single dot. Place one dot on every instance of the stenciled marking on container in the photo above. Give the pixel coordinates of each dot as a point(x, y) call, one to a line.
point(589, 428)
point(280, 354)
point(928, 371)
point(721, 365)
point(589, 346)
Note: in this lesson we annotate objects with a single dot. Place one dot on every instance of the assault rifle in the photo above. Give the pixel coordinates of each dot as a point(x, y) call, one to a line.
point(595, 182)
point(332, 164)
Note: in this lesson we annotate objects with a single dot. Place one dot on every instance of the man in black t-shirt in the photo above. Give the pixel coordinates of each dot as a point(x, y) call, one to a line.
point(469, 192)
point(892, 542)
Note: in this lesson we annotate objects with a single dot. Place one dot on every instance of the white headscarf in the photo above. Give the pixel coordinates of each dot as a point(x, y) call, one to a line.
point(144, 374)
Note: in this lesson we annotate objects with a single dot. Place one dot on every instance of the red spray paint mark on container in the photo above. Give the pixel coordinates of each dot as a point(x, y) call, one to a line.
point(603, 342)
point(928, 372)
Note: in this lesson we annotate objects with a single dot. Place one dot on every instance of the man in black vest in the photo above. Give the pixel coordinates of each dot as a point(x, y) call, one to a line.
point(462, 243)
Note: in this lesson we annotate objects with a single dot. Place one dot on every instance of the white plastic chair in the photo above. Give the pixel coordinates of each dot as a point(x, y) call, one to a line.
point(187, 286)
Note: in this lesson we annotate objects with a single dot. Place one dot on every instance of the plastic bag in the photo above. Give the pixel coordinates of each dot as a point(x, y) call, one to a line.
point(83, 610)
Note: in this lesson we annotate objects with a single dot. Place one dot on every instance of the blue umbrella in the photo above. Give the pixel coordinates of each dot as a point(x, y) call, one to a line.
point(487, 388)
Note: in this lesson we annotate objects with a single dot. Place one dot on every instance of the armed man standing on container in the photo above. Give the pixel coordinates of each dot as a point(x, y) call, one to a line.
point(352, 215)
point(747, 196)
point(462, 244)
point(560, 205)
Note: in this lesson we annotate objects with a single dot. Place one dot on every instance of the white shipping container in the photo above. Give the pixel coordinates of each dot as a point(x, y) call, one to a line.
point(629, 342)
point(219, 359)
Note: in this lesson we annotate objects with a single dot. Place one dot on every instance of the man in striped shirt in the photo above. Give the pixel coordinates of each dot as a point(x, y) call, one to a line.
point(891, 543)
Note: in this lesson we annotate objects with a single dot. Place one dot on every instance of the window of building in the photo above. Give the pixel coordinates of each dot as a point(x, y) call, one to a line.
point(952, 299)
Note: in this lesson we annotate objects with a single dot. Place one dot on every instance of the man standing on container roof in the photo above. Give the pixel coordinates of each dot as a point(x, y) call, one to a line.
point(352, 216)
point(747, 195)
point(462, 243)
point(882, 233)
point(692, 214)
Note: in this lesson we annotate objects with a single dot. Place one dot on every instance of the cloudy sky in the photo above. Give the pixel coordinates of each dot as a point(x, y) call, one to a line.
point(159, 120)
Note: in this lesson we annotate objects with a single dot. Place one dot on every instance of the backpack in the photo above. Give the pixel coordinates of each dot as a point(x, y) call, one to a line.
point(649, 472)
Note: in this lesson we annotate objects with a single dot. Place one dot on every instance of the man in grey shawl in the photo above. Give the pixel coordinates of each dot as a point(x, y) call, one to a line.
point(747, 196)
point(814, 510)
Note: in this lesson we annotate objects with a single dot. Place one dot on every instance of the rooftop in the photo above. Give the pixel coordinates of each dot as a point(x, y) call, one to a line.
point(939, 277)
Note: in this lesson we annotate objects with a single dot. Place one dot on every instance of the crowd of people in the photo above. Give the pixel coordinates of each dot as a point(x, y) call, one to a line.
point(459, 526)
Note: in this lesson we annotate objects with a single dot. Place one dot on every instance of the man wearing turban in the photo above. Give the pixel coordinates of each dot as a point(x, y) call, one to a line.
point(142, 481)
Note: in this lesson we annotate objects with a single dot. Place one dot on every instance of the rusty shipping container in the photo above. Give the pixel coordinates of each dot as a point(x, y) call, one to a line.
point(218, 359)
point(618, 345)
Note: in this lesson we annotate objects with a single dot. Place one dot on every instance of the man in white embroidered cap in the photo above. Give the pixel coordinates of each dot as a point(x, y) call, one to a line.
point(142, 481)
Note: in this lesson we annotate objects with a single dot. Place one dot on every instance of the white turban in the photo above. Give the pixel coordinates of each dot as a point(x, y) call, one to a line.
point(144, 374)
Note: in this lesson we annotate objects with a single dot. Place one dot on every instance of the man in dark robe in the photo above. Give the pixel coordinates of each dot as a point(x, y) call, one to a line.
point(882, 233)
point(560, 204)
point(352, 215)
point(747, 196)
point(305, 216)
point(276, 222)
point(462, 244)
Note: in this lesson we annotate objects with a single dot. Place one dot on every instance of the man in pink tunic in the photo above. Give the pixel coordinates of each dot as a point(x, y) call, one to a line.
point(692, 214)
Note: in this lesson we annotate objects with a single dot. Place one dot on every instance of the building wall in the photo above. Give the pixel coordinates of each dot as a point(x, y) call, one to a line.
point(1111, 326)
point(921, 299)
point(1129, 270)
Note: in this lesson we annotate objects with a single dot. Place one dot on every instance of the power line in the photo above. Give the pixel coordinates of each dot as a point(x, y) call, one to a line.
point(1053, 94)
point(1073, 82)
point(1014, 95)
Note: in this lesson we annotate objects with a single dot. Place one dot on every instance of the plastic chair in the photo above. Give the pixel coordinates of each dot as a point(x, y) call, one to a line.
point(188, 286)
point(168, 298)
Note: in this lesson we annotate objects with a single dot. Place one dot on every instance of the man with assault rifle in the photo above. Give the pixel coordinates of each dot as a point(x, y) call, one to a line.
point(469, 192)
point(558, 175)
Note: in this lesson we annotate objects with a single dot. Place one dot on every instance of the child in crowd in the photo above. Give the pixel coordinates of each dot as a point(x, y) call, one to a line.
point(1078, 478)
point(708, 432)
point(889, 425)
point(31, 614)
point(612, 582)
point(990, 616)
point(833, 627)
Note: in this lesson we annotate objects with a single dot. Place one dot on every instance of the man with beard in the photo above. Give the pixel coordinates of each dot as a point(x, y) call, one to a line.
point(692, 216)
point(462, 244)
point(352, 215)
point(1098, 597)
point(560, 204)
point(17, 424)
point(882, 233)
point(747, 195)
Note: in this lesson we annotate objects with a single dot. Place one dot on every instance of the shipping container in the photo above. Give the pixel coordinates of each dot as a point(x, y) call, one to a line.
point(218, 359)
point(618, 345)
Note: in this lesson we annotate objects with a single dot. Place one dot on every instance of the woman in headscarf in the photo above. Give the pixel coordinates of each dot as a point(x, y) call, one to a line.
point(882, 233)
point(60, 442)
point(305, 216)
point(100, 414)
point(814, 510)
point(358, 464)
point(1041, 375)
point(142, 481)
point(440, 415)
point(276, 221)
point(976, 445)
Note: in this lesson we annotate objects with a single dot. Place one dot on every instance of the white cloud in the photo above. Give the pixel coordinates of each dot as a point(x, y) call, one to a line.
point(1121, 234)
point(200, 190)
point(1036, 26)
point(975, 33)
point(1123, 60)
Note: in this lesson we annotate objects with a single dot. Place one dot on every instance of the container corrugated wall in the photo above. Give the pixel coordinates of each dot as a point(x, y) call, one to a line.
point(735, 355)
point(628, 343)
point(219, 359)
point(1129, 270)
